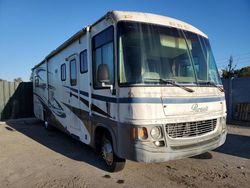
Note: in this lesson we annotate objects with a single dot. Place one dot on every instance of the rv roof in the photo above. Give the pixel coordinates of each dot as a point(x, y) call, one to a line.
point(130, 16)
point(155, 19)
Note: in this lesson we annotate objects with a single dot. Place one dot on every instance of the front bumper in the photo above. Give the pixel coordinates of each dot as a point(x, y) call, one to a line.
point(142, 151)
point(144, 155)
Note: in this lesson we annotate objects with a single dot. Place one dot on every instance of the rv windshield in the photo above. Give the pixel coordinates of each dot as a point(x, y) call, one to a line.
point(150, 54)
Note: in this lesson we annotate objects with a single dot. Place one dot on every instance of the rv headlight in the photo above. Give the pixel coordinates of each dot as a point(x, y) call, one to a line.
point(156, 132)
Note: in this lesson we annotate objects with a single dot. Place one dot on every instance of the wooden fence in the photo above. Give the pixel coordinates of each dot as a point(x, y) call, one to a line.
point(7, 89)
point(237, 92)
point(16, 100)
point(242, 112)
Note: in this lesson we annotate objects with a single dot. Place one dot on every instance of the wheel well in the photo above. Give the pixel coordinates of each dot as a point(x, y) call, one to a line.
point(99, 132)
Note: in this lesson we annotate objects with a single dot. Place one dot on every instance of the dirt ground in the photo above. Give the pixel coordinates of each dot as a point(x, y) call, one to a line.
point(30, 156)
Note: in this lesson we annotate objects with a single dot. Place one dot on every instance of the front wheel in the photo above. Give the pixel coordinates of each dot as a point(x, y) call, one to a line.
point(113, 163)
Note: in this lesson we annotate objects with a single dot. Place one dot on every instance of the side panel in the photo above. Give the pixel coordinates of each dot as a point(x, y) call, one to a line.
point(65, 95)
point(40, 91)
point(57, 100)
point(66, 106)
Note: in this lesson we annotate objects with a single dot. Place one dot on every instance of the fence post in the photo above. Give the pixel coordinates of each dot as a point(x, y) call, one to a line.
point(230, 99)
point(1, 98)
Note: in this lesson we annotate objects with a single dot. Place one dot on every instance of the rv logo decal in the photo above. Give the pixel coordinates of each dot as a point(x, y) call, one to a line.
point(197, 108)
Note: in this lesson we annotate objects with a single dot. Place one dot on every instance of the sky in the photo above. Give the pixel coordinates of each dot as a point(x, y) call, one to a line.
point(31, 29)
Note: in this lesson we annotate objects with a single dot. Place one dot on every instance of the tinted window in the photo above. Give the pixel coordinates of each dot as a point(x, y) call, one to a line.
point(83, 62)
point(103, 53)
point(150, 53)
point(73, 72)
point(63, 72)
point(104, 37)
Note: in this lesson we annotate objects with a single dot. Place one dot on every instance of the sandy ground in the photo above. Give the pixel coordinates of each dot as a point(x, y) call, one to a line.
point(32, 157)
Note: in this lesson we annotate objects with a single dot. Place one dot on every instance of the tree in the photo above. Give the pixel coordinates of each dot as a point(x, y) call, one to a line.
point(229, 71)
point(244, 72)
point(18, 79)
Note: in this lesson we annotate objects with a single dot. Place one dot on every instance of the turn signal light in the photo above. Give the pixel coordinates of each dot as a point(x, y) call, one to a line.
point(140, 133)
point(143, 133)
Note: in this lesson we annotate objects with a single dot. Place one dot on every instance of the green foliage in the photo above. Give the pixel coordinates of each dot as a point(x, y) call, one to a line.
point(230, 70)
point(244, 72)
point(227, 74)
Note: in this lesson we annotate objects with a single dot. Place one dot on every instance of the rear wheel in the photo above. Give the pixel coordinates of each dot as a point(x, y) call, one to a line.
point(113, 163)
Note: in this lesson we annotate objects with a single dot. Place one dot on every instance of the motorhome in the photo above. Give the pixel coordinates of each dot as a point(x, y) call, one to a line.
point(136, 86)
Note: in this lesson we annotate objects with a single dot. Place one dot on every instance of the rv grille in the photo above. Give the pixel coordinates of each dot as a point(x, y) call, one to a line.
point(190, 129)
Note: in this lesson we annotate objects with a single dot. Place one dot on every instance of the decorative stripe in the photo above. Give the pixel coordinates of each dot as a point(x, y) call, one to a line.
point(104, 98)
point(169, 100)
point(93, 107)
point(71, 88)
point(84, 93)
point(57, 111)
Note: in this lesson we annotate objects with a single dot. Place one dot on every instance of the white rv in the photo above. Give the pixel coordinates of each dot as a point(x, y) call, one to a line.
point(135, 86)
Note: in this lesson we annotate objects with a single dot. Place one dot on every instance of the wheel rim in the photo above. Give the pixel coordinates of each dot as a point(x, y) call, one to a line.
point(107, 152)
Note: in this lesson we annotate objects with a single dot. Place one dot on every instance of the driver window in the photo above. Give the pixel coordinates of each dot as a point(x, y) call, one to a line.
point(103, 53)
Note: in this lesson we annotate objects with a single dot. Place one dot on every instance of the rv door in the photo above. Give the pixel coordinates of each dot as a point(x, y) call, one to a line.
point(73, 94)
point(103, 73)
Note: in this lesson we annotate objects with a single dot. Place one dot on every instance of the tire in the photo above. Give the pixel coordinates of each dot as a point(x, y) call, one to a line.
point(112, 162)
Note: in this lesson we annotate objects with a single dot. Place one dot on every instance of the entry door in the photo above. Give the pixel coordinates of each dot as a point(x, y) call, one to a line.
point(104, 98)
point(73, 94)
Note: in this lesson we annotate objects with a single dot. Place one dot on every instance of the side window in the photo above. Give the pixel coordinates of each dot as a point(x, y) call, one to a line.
point(103, 53)
point(73, 74)
point(83, 62)
point(63, 72)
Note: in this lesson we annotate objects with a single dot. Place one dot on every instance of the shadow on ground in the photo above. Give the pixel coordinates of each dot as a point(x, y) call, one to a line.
point(206, 155)
point(236, 145)
point(57, 141)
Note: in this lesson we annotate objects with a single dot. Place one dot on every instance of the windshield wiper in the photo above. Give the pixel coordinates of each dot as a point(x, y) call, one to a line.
point(172, 82)
point(213, 84)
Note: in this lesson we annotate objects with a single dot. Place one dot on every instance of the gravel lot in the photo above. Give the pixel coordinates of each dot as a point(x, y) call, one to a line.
point(32, 157)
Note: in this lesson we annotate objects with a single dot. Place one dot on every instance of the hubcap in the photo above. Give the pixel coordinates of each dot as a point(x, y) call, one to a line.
point(107, 152)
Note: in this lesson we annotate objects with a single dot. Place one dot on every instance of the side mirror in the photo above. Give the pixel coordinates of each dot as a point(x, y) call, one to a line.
point(103, 74)
point(103, 77)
